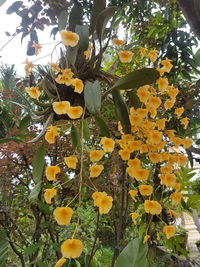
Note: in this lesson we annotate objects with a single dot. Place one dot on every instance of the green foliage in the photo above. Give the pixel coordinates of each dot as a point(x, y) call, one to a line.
point(98, 6)
point(3, 248)
point(133, 255)
point(104, 131)
point(75, 136)
point(92, 96)
point(136, 79)
point(35, 192)
point(83, 32)
point(38, 163)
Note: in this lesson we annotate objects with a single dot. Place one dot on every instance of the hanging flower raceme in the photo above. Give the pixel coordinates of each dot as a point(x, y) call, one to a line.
point(71, 248)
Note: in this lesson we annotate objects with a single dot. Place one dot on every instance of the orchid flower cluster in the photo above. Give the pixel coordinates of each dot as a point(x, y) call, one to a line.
point(150, 139)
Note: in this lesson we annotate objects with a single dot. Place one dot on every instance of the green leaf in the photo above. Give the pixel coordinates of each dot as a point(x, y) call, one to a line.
point(98, 6)
point(133, 255)
point(44, 208)
point(38, 163)
point(197, 58)
point(103, 19)
point(11, 139)
point(31, 249)
point(75, 138)
point(3, 248)
point(134, 99)
point(137, 78)
point(121, 111)
point(104, 131)
point(92, 96)
point(2, 2)
point(71, 55)
point(75, 17)
point(86, 131)
point(35, 192)
point(83, 32)
point(62, 20)
point(24, 124)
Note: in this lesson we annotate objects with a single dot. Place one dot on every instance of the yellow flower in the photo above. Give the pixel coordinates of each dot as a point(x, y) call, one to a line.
point(169, 230)
point(167, 65)
point(71, 248)
point(154, 102)
point(135, 120)
point(155, 137)
point(134, 146)
point(96, 155)
point(162, 84)
point(127, 137)
point(164, 156)
point(169, 179)
point(120, 128)
point(69, 38)
point(54, 67)
point(161, 71)
point(179, 112)
point(134, 216)
point(144, 148)
point(172, 91)
point(28, 67)
point(67, 72)
point(177, 187)
point(51, 172)
point(133, 193)
point(64, 79)
point(108, 144)
point(143, 93)
point(176, 197)
point(49, 194)
point(105, 204)
point(145, 190)
point(169, 104)
point(154, 157)
point(142, 112)
point(134, 163)
point(95, 170)
point(118, 42)
point(138, 174)
point(37, 48)
point(33, 92)
point(61, 107)
point(63, 215)
point(125, 56)
point(185, 122)
point(52, 132)
point(152, 207)
point(78, 84)
point(166, 169)
point(60, 262)
point(146, 238)
point(71, 161)
point(187, 142)
point(75, 112)
point(182, 160)
point(173, 213)
point(97, 196)
point(87, 52)
point(161, 124)
point(153, 54)
point(170, 133)
point(124, 154)
point(143, 51)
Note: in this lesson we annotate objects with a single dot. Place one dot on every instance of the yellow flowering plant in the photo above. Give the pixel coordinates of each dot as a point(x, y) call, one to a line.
point(127, 170)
